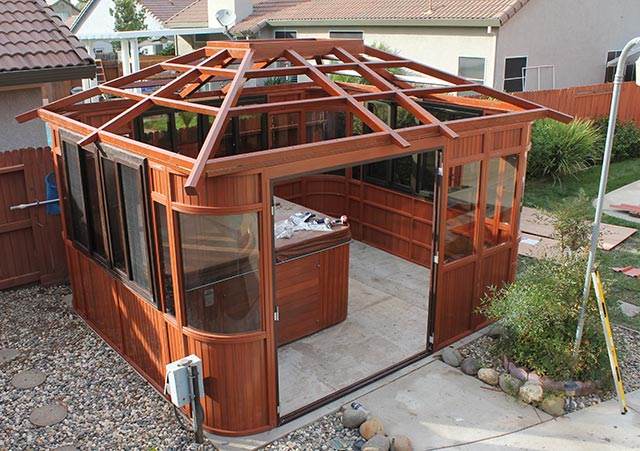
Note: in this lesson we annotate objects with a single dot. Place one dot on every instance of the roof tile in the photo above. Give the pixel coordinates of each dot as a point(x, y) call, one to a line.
point(164, 9)
point(32, 37)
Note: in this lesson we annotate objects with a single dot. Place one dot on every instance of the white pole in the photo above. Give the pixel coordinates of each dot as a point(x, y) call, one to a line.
point(126, 61)
point(606, 159)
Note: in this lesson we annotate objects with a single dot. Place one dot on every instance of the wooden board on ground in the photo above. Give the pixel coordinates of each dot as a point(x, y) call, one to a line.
point(534, 222)
point(539, 247)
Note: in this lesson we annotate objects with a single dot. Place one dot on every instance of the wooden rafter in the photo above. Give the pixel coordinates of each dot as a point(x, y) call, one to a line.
point(146, 103)
point(214, 137)
point(357, 108)
point(403, 100)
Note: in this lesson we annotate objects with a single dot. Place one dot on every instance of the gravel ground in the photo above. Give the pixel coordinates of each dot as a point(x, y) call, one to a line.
point(627, 343)
point(110, 406)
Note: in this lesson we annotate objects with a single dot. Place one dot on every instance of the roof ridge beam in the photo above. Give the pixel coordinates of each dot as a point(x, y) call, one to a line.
point(404, 100)
point(332, 88)
point(212, 141)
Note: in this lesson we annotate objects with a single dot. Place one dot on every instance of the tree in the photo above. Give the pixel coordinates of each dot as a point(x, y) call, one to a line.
point(128, 16)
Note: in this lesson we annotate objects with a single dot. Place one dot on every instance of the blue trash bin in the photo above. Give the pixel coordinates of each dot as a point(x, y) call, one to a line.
point(52, 193)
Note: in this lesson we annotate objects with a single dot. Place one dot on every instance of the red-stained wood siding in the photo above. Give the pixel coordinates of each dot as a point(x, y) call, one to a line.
point(31, 242)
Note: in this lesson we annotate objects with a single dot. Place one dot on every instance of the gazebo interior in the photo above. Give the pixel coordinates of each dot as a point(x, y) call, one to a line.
point(305, 215)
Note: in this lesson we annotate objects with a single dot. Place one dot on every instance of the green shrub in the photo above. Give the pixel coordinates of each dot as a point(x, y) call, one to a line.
point(539, 312)
point(571, 218)
point(626, 140)
point(558, 149)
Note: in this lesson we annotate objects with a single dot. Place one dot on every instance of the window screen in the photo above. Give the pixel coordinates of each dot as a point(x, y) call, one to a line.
point(513, 77)
point(471, 68)
point(346, 34)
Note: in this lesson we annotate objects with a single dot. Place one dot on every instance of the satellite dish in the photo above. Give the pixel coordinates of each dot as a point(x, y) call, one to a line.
point(225, 17)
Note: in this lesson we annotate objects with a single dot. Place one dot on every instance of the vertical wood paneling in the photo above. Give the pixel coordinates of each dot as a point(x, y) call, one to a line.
point(30, 240)
point(467, 146)
point(335, 284)
point(590, 101)
point(455, 302)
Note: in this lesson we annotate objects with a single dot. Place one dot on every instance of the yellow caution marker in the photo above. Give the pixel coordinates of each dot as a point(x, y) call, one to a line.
point(608, 337)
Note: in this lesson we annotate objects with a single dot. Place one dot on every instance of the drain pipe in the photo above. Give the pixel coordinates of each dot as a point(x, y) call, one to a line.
point(615, 100)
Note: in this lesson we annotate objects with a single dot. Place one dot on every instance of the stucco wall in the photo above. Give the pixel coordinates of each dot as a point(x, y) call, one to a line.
point(573, 35)
point(12, 134)
point(439, 47)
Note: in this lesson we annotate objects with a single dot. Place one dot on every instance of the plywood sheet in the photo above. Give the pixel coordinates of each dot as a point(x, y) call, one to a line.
point(534, 222)
point(539, 247)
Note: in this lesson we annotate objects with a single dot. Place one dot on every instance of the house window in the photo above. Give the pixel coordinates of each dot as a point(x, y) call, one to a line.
point(108, 210)
point(346, 34)
point(513, 74)
point(471, 68)
point(285, 34)
point(629, 72)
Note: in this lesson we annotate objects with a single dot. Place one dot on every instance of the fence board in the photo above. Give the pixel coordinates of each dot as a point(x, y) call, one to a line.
point(590, 101)
point(31, 242)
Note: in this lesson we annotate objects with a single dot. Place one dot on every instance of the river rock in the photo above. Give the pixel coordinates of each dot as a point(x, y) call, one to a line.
point(400, 443)
point(378, 442)
point(495, 330)
point(509, 384)
point(452, 357)
point(371, 427)
point(553, 405)
point(352, 418)
point(488, 376)
point(531, 393)
point(470, 366)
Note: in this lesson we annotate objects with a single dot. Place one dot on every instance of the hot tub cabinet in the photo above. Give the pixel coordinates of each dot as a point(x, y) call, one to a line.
point(167, 180)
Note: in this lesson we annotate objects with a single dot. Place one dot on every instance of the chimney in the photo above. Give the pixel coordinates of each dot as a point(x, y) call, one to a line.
point(240, 8)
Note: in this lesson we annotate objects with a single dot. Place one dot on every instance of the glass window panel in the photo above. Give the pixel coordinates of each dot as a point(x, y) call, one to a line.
point(471, 68)
point(88, 162)
point(427, 174)
point(500, 198)
point(79, 228)
point(382, 110)
point(323, 126)
point(285, 34)
point(165, 258)
point(346, 34)
point(461, 210)
point(284, 129)
point(402, 170)
point(135, 226)
point(186, 123)
point(405, 119)
point(250, 138)
point(227, 144)
point(156, 130)
point(114, 214)
point(220, 258)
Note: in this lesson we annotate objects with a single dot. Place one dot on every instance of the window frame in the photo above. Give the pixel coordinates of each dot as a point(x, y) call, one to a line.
point(521, 77)
point(346, 32)
point(119, 158)
point(484, 68)
point(293, 33)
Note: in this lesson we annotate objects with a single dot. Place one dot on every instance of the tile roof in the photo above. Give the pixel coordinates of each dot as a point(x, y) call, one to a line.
point(164, 9)
point(194, 14)
point(32, 37)
point(379, 10)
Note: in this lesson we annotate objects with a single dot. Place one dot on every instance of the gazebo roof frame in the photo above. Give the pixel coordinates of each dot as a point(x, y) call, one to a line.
point(254, 59)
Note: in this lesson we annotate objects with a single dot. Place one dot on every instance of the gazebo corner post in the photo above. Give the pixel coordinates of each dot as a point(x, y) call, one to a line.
point(604, 175)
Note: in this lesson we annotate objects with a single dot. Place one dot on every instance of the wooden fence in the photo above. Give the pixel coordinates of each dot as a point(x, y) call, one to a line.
point(590, 101)
point(31, 244)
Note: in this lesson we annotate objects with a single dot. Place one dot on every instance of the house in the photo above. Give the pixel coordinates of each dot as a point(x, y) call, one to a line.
point(64, 9)
point(40, 61)
point(303, 238)
point(511, 45)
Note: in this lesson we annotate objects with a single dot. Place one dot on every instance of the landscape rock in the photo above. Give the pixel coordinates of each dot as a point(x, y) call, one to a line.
point(629, 310)
point(400, 443)
point(378, 442)
point(509, 384)
point(371, 427)
point(452, 357)
point(531, 393)
point(488, 376)
point(352, 418)
point(553, 405)
point(496, 330)
point(470, 366)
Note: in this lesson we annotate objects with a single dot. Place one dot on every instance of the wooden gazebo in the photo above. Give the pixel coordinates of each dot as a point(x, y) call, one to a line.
point(168, 180)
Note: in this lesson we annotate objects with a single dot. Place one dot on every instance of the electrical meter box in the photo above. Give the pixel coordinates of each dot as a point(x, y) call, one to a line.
point(178, 379)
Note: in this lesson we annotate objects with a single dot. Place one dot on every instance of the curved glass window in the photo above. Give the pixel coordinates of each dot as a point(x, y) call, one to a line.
point(220, 256)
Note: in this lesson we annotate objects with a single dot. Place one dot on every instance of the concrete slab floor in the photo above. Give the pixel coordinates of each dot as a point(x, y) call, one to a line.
point(628, 194)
